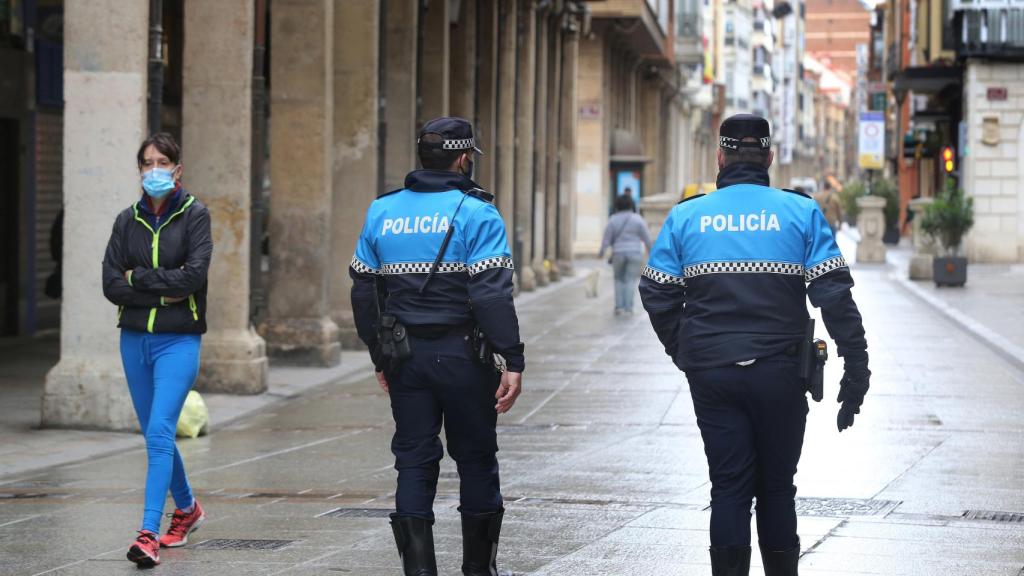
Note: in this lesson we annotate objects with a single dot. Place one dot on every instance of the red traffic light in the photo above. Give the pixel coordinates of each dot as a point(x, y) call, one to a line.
point(947, 158)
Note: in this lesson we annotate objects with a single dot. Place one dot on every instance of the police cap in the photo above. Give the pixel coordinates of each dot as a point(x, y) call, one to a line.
point(742, 126)
point(456, 134)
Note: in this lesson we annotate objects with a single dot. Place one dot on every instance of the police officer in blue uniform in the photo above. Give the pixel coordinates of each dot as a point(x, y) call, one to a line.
point(725, 289)
point(432, 299)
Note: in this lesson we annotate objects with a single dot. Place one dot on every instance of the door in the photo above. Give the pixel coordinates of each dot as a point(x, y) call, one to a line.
point(9, 196)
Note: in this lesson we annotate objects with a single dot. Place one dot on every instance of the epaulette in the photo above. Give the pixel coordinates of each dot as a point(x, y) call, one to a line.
point(390, 193)
point(688, 198)
point(791, 191)
point(481, 194)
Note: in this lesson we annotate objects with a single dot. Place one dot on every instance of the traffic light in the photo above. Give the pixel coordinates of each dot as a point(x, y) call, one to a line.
point(947, 159)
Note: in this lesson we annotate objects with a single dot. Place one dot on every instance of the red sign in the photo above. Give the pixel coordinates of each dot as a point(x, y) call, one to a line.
point(997, 93)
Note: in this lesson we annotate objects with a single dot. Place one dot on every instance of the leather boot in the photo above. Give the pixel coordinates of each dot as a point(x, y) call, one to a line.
point(415, 540)
point(781, 563)
point(730, 560)
point(480, 543)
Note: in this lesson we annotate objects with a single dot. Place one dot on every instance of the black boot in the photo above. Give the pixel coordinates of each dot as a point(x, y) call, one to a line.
point(415, 540)
point(480, 543)
point(781, 563)
point(730, 560)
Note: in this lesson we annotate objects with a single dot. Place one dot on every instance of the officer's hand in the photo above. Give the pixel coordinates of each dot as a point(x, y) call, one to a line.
point(509, 389)
point(851, 396)
point(383, 381)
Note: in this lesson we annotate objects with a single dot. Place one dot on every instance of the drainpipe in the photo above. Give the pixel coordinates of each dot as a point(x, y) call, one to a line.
point(156, 64)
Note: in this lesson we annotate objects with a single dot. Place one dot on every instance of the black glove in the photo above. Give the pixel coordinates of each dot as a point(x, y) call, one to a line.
point(851, 395)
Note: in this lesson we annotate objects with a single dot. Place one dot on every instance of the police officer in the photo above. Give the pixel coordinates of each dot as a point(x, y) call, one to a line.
point(725, 289)
point(433, 264)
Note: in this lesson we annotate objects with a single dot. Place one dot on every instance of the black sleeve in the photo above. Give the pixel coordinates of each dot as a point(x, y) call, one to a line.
point(664, 303)
point(115, 287)
point(490, 293)
point(831, 293)
point(364, 310)
point(190, 277)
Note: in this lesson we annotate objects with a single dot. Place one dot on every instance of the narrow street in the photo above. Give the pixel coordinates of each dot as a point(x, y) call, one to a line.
point(602, 465)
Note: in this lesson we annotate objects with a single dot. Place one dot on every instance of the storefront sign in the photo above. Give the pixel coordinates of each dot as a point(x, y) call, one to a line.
point(871, 143)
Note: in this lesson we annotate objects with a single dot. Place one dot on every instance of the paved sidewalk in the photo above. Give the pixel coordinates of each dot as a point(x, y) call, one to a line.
point(603, 468)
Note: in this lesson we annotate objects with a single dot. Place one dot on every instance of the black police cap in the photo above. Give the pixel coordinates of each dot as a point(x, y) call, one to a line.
point(740, 126)
point(456, 134)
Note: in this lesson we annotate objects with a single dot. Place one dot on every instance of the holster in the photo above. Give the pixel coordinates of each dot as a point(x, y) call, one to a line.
point(393, 340)
point(813, 355)
point(483, 351)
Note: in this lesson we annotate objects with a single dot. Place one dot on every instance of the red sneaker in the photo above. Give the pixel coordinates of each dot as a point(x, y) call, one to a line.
point(146, 550)
point(182, 525)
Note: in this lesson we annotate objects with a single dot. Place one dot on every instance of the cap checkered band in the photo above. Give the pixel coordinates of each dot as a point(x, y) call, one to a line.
point(825, 267)
point(736, 143)
point(421, 267)
point(661, 277)
point(743, 268)
point(361, 268)
point(464, 144)
point(488, 263)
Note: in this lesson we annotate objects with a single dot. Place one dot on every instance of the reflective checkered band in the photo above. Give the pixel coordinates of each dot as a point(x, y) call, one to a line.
point(736, 143)
point(660, 277)
point(464, 144)
point(742, 268)
point(361, 268)
point(422, 267)
point(488, 263)
point(825, 267)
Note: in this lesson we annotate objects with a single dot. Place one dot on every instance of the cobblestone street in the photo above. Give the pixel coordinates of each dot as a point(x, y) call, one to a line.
point(602, 465)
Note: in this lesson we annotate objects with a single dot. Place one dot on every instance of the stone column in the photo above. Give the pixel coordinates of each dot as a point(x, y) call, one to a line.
point(463, 65)
point(435, 75)
point(567, 152)
point(924, 243)
point(542, 107)
point(104, 121)
point(505, 152)
point(216, 149)
point(592, 145)
point(871, 226)
point(299, 328)
point(554, 103)
point(354, 161)
point(525, 107)
point(487, 95)
point(400, 29)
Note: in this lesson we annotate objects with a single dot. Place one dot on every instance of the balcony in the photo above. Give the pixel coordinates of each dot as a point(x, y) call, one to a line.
point(636, 21)
point(994, 31)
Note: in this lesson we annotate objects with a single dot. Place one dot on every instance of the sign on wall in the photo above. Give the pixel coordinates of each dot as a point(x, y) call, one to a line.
point(871, 141)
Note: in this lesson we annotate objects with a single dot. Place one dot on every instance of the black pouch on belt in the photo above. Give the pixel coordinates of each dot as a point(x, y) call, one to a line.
point(394, 341)
point(813, 354)
point(482, 349)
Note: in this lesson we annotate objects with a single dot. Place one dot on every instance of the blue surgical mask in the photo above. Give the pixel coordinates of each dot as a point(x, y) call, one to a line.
point(158, 182)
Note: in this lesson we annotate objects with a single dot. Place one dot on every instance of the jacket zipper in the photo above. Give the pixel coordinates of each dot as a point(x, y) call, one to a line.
point(156, 257)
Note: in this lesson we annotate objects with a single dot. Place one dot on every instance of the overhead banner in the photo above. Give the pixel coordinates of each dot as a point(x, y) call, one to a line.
point(871, 143)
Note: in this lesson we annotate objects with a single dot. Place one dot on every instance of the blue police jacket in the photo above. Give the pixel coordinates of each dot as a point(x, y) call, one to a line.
point(400, 240)
point(730, 272)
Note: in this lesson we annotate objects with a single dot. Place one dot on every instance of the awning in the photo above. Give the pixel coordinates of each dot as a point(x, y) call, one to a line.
point(626, 147)
point(927, 80)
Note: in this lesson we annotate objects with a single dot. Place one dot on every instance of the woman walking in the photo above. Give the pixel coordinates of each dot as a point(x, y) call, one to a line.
point(626, 234)
point(155, 270)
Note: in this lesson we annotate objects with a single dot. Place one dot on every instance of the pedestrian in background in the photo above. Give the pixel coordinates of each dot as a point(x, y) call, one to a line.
point(627, 235)
point(725, 289)
point(155, 270)
point(830, 205)
point(432, 300)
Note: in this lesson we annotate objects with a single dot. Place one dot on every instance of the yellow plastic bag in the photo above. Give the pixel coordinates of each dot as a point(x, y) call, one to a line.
point(194, 417)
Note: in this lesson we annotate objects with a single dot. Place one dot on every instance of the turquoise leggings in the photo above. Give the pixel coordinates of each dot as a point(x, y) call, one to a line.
point(161, 369)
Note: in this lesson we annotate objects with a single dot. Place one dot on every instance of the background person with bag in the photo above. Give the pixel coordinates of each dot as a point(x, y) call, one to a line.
point(626, 234)
point(154, 270)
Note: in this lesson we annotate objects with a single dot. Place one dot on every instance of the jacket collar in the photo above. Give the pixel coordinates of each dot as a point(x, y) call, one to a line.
point(173, 202)
point(438, 181)
point(743, 173)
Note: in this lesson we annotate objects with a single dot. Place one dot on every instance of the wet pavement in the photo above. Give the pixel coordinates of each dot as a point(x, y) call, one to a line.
point(602, 465)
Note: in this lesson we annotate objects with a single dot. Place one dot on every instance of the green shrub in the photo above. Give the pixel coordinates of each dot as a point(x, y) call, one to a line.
point(949, 217)
point(848, 198)
point(886, 189)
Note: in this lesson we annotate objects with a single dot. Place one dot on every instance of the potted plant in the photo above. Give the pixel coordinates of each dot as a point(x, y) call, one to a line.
point(948, 219)
point(848, 198)
point(885, 189)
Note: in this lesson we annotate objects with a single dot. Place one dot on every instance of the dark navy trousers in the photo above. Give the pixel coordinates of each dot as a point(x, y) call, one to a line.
point(752, 420)
point(443, 384)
